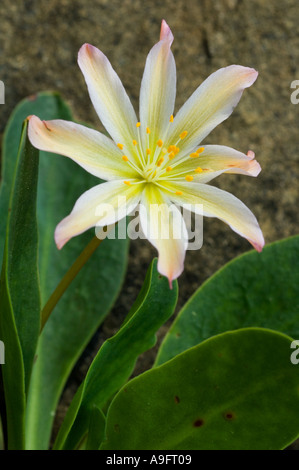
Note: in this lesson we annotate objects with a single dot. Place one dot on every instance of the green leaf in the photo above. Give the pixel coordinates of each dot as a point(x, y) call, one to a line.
point(96, 429)
point(91, 295)
point(19, 290)
point(255, 289)
point(235, 391)
point(116, 359)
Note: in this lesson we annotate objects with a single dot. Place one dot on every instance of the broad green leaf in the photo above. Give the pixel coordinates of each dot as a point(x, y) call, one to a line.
point(235, 391)
point(255, 289)
point(90, 297)
point(19, 290)
point(116, 358)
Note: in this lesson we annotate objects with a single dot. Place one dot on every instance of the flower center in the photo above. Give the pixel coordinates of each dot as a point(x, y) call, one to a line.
point(154, 159)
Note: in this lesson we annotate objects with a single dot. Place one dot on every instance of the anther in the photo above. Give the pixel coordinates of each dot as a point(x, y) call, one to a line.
point(160, 161)
point(125, 158)
point(171, 155)
point(189, 178)
point(171, 118)
point(128, 183)
point(198, 170)
point(148, 131)
point(183, 134)
point(194, 155)
point(134, 142)
point(200, 150)
point(160, 143)
point(178, 193)
point(120, 146)
point(169, 168)
point(138, 124)
point(148, 151)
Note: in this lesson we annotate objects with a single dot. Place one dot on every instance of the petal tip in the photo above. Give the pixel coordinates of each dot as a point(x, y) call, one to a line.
point(59, 240)
point(252, 75)
point(165, 32)
point(258, 245)
point(86, 50)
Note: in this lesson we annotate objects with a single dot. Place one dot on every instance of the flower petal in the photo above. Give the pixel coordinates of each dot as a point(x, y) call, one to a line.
point(101, 205)
point(214, 160)
point(158, 88)
point(212, 102)
point(92, 150)
point(108, 96)
point(164, 226)
point(221, 204)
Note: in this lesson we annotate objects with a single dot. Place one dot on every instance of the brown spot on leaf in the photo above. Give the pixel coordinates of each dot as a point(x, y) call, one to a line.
point(229, 415)
point(177, 399)
point(198, 423)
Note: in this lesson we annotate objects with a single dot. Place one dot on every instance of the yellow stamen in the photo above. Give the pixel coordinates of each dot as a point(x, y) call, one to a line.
point(128, 183)
point(120, 146)
point(169, 168)
point(200, 150)
point(194, 155)
point(134, 142)
point(171, 155)
point(148, 131)
point(198, 170)
point(160, 161)
point(171, 148)
point(160, 143)
point(179, 193)
point(189, 178)
point(171, 118)
point(183, 134)
point(176, 150)
point(125, 158)
point(148, 151)
point(138, 124)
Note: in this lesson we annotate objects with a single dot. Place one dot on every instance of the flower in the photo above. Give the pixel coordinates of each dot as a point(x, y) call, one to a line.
point(158, 158)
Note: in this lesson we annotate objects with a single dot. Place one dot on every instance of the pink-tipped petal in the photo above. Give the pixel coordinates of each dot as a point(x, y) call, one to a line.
point(164, 226)
point(214, 202)
point(214, 160)
point(212, 102)
point(101, 205)
point(158, 89)
point(108, 95)
point(92, 150)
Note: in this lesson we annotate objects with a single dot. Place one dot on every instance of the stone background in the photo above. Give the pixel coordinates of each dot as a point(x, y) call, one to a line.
point(39, 41)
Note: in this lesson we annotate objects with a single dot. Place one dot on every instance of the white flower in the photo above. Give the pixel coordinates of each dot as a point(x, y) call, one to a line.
point(158, 158)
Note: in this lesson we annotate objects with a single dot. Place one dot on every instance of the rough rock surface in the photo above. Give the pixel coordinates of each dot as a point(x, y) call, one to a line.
point(39, 44)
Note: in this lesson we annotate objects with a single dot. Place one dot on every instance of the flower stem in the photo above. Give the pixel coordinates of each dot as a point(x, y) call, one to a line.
point(68, 278)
